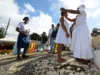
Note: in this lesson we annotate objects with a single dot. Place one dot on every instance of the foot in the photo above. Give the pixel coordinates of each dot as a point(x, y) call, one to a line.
point(68, 49)
point(78, 60)
point(18, 58)
point(88, 61)
point(93, 66)
point(25, 56)
point(61, 60)
point(54, 52)
point(49, 52)
point(85, 62)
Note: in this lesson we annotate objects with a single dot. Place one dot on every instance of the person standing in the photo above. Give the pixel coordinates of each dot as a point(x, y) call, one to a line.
point(51, 38)
point(95, 32)
point(62, 35)
point(81, 38)
point(44, 39)
point(54, 34)
point(23, 37)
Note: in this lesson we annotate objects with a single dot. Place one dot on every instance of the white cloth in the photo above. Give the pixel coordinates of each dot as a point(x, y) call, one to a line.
point(97, 58)
point(47, 46)
point(61, 35)
point(27, 28)
point(23, 27)
point(50, 31)
point(81, 38)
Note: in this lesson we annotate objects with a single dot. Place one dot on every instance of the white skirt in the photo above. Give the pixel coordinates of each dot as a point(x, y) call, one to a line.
point(81, 42)
point(62, 39)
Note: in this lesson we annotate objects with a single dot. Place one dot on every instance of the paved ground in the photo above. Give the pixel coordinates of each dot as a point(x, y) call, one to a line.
point(43, 64)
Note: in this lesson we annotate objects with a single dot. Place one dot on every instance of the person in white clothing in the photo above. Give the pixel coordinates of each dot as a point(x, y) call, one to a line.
point(81, 38)
point(62, 35)
point(51, 38)
point(23, 37)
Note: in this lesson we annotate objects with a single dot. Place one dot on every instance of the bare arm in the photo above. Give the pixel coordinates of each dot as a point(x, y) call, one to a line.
point(49, 35)
point(18, 30)
point(93, 44)
point(72, 20)
point(72, 27)
point(70, 11)
point(62, 24)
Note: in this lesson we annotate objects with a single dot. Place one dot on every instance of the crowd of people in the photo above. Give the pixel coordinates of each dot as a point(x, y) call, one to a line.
point(77, 38)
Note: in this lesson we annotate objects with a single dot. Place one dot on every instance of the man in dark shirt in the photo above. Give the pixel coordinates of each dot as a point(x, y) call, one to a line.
point(44, 39)
point(53, 35)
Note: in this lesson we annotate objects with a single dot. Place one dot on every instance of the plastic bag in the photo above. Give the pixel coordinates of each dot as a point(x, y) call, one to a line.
point(15, 49)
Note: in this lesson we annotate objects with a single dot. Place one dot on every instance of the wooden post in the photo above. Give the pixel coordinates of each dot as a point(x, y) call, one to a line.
point(7, 27)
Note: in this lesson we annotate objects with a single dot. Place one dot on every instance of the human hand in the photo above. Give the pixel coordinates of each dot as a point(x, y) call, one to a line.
point(23, 32)
point(67, 35)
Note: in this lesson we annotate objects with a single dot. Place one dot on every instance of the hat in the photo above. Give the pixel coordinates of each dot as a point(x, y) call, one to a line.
point(26, 18)
point(81, 7)
point(95, 29)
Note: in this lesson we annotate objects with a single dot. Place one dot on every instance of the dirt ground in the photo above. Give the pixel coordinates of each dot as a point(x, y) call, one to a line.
point(43, 64)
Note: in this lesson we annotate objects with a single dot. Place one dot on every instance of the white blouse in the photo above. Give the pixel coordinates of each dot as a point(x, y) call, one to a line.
point(82, 17)
point(23, 27)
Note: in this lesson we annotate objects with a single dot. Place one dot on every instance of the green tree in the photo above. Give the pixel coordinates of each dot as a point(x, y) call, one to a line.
point(35, 36)
point(1, 33)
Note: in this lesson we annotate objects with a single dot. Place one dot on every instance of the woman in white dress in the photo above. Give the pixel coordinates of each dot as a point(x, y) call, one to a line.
point(62, 35)
point(81, 38)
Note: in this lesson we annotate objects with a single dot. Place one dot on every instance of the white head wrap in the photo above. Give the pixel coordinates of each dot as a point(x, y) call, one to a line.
point(81, 7)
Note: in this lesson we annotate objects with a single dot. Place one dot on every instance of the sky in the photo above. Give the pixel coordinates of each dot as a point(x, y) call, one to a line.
point(43, 13)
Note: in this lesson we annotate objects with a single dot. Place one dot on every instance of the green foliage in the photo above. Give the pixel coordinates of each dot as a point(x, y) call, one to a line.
point(35, 36)
point(1, 33)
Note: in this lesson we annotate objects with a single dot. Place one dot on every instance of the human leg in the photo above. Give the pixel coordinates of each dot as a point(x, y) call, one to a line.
point(18, 53)
point(51, 44)
point(60, 47)
point(24, 53)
